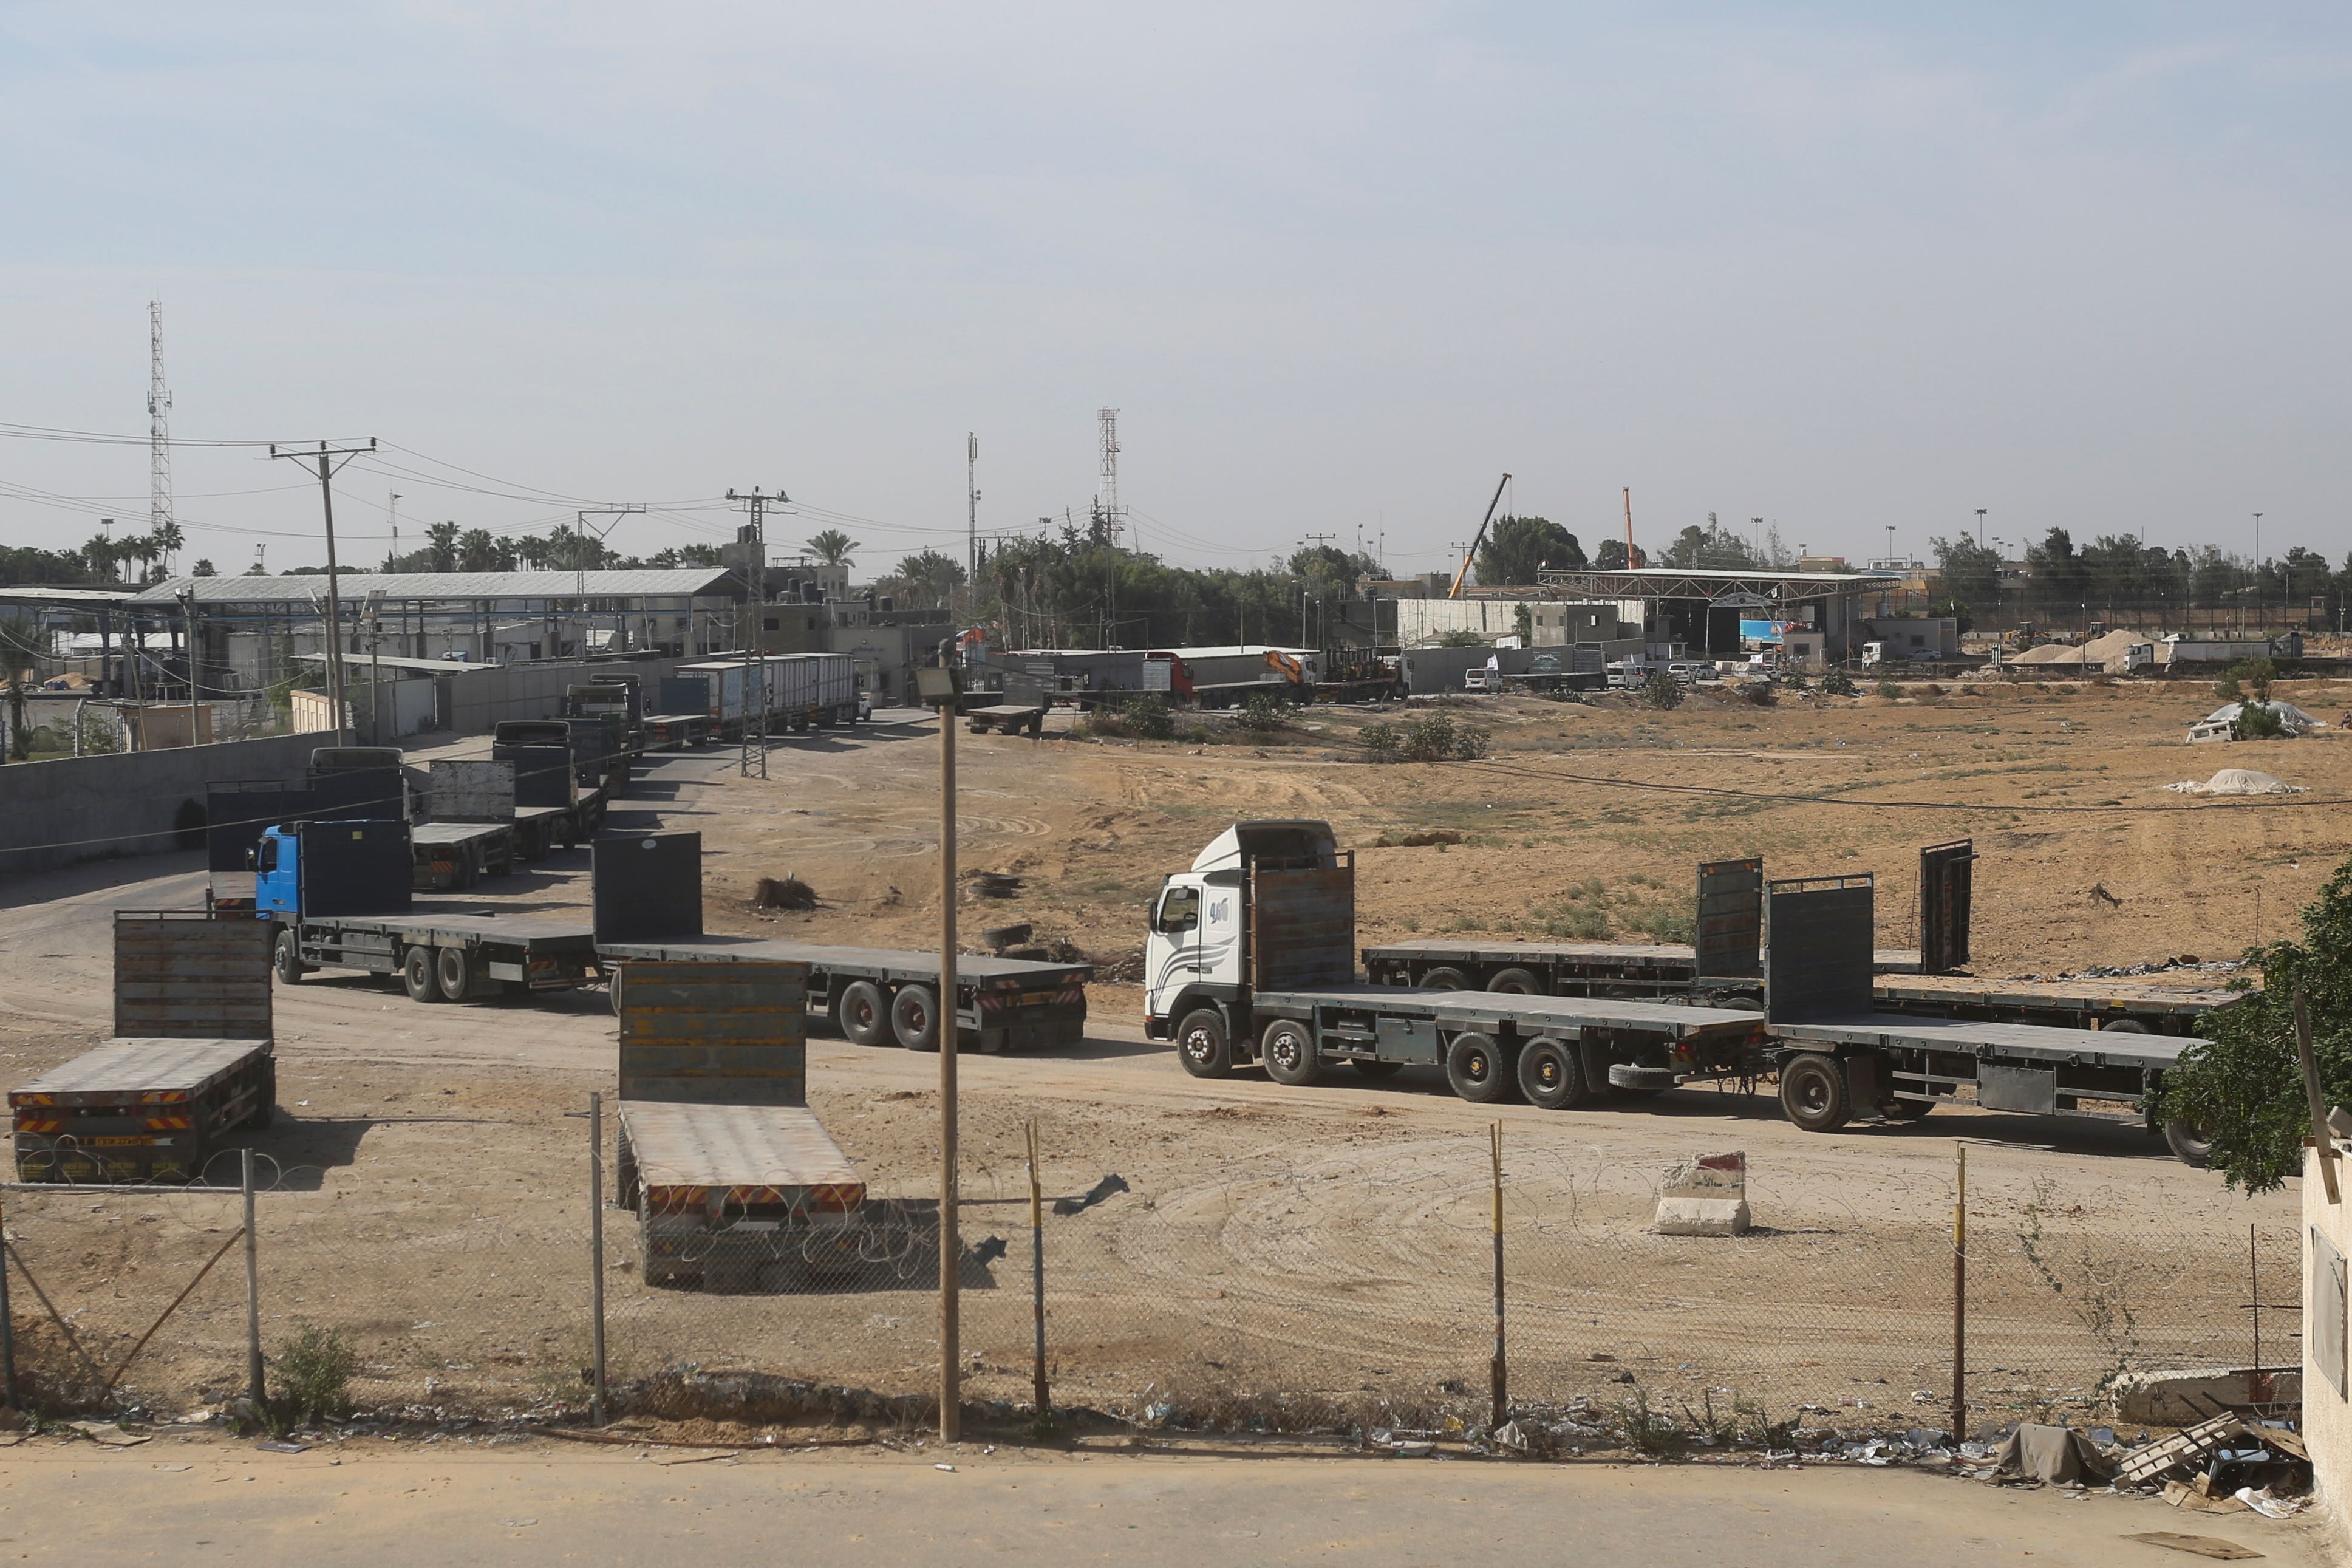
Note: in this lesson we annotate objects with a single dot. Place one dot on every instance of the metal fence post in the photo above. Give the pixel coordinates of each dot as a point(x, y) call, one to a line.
point(596, 1251)
point(1961, 1301)
point(7, 1328)
point(1037, 1274)
point(252, 1287)
point(1501, 1386)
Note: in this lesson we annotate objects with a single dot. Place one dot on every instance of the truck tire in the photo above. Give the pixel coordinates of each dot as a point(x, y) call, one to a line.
point(1478, 1070)
point(1517, 983)
point(2190, 1143)
point(865, 1015)
point(286, 957)
point(453, 973)
point(264, 1110)
point(2124, 1027)
point(1444, 979)
point(1202, 1044)
point(416, 975)
point(1551, 1075)
point(1287, 1051)
point(915, 1018)
point(1813, 1094)
point(624, 1172)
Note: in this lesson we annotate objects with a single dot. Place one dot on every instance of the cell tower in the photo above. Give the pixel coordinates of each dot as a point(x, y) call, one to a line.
point(1106, 505)
point(159, 420)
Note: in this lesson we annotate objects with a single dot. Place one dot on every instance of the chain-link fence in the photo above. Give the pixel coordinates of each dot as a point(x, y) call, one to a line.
point(1287, 1286)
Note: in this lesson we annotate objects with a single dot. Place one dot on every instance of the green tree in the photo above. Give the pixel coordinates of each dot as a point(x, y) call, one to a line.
point(1609, 555)
point(1714, 546)
point(21, 642)
point(441, 545)
point(204, 568)
point(1516, 548)
point(2243, 1087)
point(1959, 609)
point(833, 547)
point(924, 581)
point(1971, 571)
point(1460, 636)
point(478, 549)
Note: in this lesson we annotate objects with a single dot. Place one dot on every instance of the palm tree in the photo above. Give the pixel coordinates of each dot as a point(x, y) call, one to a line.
point(441, 543)
point(833, 547)
point(100, 550)
point(169, 538)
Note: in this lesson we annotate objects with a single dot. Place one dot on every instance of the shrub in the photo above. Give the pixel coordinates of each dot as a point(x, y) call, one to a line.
point(1461, 638)
point(2248, 676)
point(1436, 738)
point(314, 1372)
point(1149, 718)
point(1381, 740)
point(1262, 712)
point(1888, 688)
point(1758, 694)
point(1663, 690)
point(2257, 722)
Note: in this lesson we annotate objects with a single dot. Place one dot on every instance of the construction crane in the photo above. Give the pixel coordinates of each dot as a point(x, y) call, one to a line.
point(1471, 553)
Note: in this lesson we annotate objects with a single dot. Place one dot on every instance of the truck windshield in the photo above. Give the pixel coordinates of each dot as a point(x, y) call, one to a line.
point(1180, 909)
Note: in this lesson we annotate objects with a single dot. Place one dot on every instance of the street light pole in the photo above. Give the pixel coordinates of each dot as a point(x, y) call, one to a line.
point(938, 687)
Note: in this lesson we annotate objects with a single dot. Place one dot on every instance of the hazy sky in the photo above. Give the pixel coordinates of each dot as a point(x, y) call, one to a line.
point(1837, 265)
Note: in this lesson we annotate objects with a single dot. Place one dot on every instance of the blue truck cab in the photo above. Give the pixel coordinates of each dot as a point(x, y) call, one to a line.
point(277, 874)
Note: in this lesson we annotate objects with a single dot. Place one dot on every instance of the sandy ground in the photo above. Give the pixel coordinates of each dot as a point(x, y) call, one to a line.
point(1331, 1243)
point(369, 1501)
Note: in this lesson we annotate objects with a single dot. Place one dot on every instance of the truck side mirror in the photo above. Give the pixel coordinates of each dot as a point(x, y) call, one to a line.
point(253, 859)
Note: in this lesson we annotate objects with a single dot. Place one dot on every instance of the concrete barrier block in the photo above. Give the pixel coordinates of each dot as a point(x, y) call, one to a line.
point(2182, 1396)
point(1706, 1195)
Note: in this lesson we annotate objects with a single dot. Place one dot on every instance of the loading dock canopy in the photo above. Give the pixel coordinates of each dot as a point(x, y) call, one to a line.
point(1747, 589)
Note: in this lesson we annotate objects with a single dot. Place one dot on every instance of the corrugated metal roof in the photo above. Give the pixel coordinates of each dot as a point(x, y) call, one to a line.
point(408, 585)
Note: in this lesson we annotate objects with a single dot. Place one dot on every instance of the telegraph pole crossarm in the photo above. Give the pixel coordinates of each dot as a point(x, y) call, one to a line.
point(329, 458)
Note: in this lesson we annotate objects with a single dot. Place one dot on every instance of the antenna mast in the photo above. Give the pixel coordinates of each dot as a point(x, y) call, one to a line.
point(1106, 505)
point(159, 419)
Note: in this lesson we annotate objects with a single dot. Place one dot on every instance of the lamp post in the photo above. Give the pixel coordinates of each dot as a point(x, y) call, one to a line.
point(938, 687)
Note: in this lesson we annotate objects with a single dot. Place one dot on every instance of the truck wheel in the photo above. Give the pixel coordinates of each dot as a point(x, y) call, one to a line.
point(1813, 1094)
point(453, 971)
point(1288, 1052)
point(624, 1172)
point(1517, 982)
point(1445, 980)
point(2124, 1027)
point(1476, 1069)
point(2190, 1143)
point(915, 1018)
point(1550, 1076)
point(1202, 1044)
point(1376, 1070)
point(416, 975)
point(865, 1016)
point(286, 958)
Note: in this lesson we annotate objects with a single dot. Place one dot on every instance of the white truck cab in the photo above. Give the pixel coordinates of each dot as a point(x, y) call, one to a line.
point(1196, 969)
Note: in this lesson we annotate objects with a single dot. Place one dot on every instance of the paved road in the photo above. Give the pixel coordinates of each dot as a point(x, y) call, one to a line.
point(390, 1505)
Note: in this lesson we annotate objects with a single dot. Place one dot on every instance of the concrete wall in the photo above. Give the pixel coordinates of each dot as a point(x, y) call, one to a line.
point(87, 808)
point(2326, 1412)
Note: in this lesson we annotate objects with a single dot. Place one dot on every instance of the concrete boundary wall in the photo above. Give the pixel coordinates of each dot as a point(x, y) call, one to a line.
point(131, 803)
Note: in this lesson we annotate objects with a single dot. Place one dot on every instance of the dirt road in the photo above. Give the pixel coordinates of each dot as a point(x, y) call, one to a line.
point(1328, 1241)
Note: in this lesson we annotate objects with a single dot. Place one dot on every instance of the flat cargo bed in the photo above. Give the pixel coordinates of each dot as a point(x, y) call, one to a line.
point(1968, 1037)
point(971, 969)
point(428, 833)
point(2118, 997)
point(1669, 962)
point(736, 1157)
point(521, 930)
point(1527, 1015)
point(157, 1072)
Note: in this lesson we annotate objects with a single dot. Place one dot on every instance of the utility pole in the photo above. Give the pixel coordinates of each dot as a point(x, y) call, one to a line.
point(1629, 528)
point(1981, 517)
point(939, 686)
point(971, 506)
point(755, 538)
point(187, 597)
point(580, 539)
point(2258, 580)
point(1756, 526)
point(324, 460)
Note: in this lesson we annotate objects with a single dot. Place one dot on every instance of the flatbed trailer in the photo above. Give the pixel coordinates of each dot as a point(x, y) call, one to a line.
point(676, 732)
point(1011, 718)
point(443, 957)
point(455, 855)
point(2119, 1005)
point(141, 1109)
point(648, 907)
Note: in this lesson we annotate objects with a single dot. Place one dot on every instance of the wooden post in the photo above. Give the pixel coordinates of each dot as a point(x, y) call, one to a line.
point(7, 1331)
point(1961, 1301)
point(1502, 1403)
point(596, 1253)
point(944, 1023)
point(2322, 1142)
point(1037, 1274)
point(255, 1386)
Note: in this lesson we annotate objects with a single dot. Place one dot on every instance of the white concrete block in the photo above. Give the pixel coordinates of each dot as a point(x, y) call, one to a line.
point(1701, 1217)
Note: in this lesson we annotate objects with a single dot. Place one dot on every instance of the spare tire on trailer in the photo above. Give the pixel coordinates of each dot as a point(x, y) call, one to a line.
point(1814, 1094)
point(1444, 978)
point(2190, 1143)
point(1517, 983)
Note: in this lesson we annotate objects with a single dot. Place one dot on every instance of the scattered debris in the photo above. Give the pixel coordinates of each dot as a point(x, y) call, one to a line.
point(999, 938)
point(279, 1446)
point(1425, 838)
point(108, 1434)
point(2099, 892)
point(2237, 781)
point(2057, 1453)
point(784, 892)
point(992, 885)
